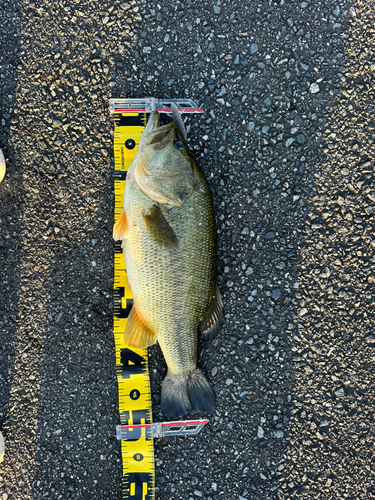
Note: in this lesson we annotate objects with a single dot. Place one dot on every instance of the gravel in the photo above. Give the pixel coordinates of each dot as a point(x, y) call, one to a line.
point(287, 144)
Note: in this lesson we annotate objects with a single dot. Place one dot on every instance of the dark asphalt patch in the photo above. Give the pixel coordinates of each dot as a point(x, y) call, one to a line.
point(287, 145)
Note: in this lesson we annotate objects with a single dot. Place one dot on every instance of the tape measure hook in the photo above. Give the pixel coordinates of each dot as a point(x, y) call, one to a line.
point(149, 104)
point(164, 429)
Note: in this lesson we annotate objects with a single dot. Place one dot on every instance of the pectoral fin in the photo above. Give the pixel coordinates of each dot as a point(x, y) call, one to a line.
point(120, 228)
point(137, 334)
point(210, 325)
point(159, 229)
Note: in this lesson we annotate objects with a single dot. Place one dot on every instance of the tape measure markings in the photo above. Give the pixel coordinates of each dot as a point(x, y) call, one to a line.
point(137, 448)
point(136, 431)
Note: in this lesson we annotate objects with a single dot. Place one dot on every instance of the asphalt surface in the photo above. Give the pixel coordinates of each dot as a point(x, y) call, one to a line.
point(287, 143)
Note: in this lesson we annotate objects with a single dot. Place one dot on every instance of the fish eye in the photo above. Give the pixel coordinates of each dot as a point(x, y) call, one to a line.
point(178, 144)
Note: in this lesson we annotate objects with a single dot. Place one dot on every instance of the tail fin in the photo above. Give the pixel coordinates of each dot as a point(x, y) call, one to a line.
point(201, 395)
point(183, 393)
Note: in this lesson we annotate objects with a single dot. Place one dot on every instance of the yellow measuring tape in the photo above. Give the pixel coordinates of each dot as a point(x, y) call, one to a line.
point(137, 445)
point(137, 430)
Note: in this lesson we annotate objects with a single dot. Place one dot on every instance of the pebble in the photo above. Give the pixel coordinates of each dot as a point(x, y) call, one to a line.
point(253, 48)
point(281, 265)
point(314, 88)
point(217, 9)
point(260, 433)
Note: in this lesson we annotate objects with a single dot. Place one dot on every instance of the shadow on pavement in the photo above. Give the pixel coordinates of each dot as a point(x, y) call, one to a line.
point(11, 195)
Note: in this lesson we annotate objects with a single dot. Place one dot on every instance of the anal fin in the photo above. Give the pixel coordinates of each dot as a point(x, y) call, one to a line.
point(211, 324)
point(137, 334)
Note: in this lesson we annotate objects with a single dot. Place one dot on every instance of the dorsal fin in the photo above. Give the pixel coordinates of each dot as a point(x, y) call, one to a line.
point(210, 325)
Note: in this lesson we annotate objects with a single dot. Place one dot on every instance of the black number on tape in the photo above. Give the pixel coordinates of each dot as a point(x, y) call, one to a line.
point(138, 417)
point(118, 295)
point(130, 144)
point(139, 484)
point(134, 394)
point(138, 366)
point(120, 175)
point(124, 120)
point(118, 249)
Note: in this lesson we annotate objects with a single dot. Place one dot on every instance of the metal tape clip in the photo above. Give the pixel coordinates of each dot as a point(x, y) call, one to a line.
point(164, 429)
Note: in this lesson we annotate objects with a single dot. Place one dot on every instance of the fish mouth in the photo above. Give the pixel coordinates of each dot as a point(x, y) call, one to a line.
point(151, 126)
point(152, 123)
point(161, 134)
point(156, 134)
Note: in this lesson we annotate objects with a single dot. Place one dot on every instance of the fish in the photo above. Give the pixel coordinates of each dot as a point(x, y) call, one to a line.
point(168, 231)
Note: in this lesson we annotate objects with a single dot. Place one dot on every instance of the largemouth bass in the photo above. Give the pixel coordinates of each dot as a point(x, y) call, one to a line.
point(169, 237)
